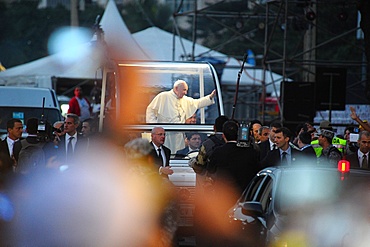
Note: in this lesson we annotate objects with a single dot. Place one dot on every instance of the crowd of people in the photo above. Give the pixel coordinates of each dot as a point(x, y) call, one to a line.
point(223, 167)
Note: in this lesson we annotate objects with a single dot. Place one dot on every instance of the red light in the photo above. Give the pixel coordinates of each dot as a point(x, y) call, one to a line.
point(343, 166)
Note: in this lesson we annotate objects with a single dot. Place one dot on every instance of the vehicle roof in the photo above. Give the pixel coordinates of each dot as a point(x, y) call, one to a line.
point(300, 186)
point(280, 169)
point(27, 97)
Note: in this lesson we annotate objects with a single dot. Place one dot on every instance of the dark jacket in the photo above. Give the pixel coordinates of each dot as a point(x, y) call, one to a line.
point(234, 165)
point(353, 160)
point(157, 160)
point(273, 158)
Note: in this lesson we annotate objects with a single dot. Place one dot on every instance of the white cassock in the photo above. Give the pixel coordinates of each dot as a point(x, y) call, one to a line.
point(166, 107)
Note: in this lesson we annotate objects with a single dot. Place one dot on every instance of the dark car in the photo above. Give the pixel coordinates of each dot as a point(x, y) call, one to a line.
point(304, 206)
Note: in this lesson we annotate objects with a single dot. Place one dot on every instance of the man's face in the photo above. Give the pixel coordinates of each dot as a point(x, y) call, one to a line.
point(192, 119)
point(86, 130)
point(364, 144)
point(264, 135)
point(255, 129)
point(158, 137)
point(16, 132)
point(70, 126)
point(281, 141)
point(78, 92)
point(194, 142)
point(272, 134)
point(322, 140)
point(181, 90)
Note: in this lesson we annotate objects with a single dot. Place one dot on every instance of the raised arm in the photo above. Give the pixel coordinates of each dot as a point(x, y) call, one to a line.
point(358, 120)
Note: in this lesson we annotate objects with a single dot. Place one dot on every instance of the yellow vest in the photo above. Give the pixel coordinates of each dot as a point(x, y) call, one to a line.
point(337, 142)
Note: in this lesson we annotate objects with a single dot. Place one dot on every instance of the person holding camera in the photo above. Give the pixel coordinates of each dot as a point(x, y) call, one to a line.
point(29, 152)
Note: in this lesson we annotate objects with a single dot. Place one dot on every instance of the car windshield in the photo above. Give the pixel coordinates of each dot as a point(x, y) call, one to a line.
point(305, 188)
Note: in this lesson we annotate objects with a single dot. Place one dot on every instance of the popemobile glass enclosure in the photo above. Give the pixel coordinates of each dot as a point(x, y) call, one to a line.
point(129, 86)
point(127, 89)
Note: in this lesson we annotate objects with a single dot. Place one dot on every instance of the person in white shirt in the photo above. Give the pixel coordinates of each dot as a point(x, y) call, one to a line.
point(80, 105)
point(15, 129)
point(360, 158)
point(175, 107)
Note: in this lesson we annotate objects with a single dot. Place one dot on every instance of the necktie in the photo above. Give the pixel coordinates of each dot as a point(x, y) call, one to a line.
point(160, 155)
point(284, 160)
point(364, 162)
point(70, 148)
point(273, 146)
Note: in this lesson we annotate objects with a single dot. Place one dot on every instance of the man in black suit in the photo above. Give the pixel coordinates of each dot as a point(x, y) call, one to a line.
point(71, 144)
point(161, 153)
point(29, 152)
point(194, 140)
point(304, 143)
point(267, 146)
point(360, 158)
point(285, 154)
point(15, 128)
point(232, 165)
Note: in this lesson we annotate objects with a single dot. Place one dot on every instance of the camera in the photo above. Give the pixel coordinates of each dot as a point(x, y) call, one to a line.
point(243, 135)
point(45, 131)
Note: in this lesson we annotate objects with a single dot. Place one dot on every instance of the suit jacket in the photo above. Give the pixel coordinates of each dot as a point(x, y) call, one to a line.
point(157, 160)
point(264, 149)
point(234, 165)
point(309, 154)
point(273, 158)
point(353, 160)
point(182, 152)
point(5, 149)
point(4, 146)
point(60, 150)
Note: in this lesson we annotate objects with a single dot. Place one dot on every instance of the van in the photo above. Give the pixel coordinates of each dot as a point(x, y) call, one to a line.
point(24, 103)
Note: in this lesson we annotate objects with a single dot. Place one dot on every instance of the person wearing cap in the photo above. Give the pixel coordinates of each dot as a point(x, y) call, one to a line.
point(339, 143)
point(330, 154)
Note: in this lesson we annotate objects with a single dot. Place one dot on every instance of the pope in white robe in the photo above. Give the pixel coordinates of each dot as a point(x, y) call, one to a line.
point(175, 107)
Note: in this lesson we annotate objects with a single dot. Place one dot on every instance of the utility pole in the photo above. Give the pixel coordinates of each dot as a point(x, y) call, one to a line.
point(74, 13)
point(309, 55)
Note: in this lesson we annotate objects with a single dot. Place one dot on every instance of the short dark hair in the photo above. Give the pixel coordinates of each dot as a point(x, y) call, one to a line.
point(11, 122)
point(230, 130)
point(32, 125)
point(286, 132)
point(189, 135)
point(275, 124)
point(219, 122)
point(305, 137)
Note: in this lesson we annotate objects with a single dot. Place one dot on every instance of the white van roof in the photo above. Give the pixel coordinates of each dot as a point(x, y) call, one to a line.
point(27, 97)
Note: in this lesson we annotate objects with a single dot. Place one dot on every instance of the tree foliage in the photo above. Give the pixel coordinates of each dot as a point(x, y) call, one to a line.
point(25, 29)
point(139, 15)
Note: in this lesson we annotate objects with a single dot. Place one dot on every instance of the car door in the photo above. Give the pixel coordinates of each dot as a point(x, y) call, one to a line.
point(249, 214)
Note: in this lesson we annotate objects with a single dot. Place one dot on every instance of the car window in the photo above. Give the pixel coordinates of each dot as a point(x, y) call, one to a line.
point(305, 187)
point(253, 188)
point(264, 197)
